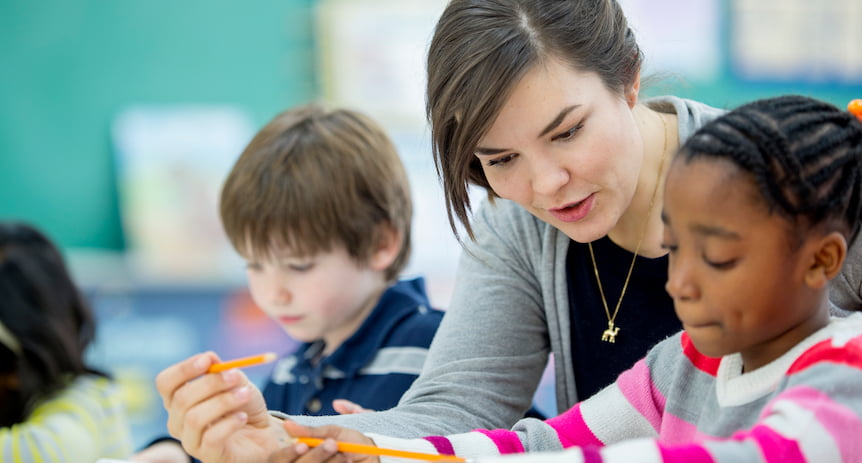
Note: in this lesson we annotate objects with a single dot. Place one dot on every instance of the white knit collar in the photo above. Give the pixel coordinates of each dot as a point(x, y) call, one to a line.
point(734, 388)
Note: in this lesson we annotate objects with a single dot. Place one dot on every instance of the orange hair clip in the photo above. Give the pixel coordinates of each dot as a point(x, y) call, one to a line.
point(855, 108)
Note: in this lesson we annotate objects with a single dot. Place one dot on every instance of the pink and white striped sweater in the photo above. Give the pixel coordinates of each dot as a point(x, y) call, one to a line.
point(677, 405)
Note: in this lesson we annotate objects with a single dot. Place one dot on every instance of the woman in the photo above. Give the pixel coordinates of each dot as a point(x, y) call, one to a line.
point(537, 102)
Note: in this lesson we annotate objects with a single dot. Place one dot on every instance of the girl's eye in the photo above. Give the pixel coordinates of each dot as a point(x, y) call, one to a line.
point(671, 248)
point(568, 134)
point(502, 160)
point(720, 265)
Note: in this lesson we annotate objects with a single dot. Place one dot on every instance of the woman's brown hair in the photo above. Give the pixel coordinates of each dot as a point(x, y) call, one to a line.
point(482, 48)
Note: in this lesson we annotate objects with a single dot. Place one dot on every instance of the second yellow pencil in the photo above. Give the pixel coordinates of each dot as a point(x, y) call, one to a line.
point(349, 447)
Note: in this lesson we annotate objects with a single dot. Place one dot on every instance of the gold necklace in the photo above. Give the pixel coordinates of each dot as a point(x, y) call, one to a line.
point(610, 334)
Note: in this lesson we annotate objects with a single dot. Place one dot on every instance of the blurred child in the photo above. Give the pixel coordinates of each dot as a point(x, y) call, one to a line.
point(319, 206)
point(53, 406)
point(759, 208)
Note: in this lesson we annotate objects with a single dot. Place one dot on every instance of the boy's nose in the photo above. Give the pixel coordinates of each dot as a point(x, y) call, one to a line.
point(281, 295)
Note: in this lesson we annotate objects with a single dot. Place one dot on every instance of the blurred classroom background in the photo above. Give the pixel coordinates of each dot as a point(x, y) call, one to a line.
point(119, 120)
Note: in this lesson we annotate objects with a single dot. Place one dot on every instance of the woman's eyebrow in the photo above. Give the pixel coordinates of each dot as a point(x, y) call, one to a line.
point(558, 120)
point(553, 125)
point(489, 151)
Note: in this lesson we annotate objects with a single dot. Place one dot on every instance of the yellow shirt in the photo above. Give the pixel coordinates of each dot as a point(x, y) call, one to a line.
point(80, 424)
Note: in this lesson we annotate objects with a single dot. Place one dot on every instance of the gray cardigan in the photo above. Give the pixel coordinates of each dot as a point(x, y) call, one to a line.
point(509, 311)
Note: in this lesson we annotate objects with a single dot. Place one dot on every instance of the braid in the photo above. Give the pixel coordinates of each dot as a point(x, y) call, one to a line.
point(804, 154)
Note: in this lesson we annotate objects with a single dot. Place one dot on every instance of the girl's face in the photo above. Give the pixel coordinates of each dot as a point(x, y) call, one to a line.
point(737, 281)
point(565, 148)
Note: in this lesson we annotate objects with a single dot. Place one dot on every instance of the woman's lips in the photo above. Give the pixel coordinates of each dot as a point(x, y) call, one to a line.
point(573, 212)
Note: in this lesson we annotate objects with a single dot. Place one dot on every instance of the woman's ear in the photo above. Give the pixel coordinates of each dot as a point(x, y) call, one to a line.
point(388, 247)
point(632, 91)
point(829, 254)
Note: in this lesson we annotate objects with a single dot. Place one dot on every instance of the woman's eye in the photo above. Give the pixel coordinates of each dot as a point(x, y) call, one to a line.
point(500, 161)
point(568, 134)
point(253, 266)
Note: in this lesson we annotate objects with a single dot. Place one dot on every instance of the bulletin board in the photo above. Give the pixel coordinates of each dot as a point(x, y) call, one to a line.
point(799, 41)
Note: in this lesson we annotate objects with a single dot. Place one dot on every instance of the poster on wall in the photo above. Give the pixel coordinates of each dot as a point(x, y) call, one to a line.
point(171, 162)
point(800, 41)
point(371, 58)
point(677, 37)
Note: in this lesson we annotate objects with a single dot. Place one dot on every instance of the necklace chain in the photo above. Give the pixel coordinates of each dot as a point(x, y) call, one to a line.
point(610, 334)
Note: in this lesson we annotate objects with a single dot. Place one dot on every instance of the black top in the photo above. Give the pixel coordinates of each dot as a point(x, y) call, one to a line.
point(646, 315)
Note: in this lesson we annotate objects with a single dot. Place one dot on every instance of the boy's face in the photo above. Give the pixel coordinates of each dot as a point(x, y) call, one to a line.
point(326, 296)
point(737, 282)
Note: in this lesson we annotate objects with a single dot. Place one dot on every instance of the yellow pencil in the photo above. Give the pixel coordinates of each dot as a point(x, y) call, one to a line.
point(348, 447)
point(242, 362)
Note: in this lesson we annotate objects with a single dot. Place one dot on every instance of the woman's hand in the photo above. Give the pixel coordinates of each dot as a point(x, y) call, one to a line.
point(326, 452)
point(218, 417)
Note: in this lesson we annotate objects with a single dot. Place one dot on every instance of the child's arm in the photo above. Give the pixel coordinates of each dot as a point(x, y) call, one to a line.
point(82, 423)
point(817, 417)
point(632, 407)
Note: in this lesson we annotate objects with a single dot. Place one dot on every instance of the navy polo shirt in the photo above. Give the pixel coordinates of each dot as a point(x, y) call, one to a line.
point(373, 368)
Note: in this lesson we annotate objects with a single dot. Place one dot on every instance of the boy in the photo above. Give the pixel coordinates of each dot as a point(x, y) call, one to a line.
point(319, 206)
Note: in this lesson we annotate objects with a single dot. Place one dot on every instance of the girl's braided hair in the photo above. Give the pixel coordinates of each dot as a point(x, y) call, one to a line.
point(804, 155)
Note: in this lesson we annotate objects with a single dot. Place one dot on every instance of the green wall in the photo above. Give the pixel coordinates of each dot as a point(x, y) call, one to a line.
point(68, 67)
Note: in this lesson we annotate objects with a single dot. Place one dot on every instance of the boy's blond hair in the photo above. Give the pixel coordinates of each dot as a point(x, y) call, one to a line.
point(314, 178)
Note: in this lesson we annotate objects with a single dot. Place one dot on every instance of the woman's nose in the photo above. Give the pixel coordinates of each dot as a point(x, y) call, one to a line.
point(549, 175)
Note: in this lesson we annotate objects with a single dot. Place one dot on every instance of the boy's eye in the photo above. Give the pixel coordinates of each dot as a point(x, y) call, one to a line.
point(300, 267)
point(254, 266)
point(502, 160)
point(568, 134)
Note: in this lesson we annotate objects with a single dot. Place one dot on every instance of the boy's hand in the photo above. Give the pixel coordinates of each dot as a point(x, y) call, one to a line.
point(218, 417)
point(326, 452)
point(346, 407)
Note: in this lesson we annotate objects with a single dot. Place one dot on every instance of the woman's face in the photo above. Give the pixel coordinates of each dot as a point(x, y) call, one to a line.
point(565, 148)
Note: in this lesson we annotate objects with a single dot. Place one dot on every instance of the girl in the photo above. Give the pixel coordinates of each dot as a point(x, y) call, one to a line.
point(55, 408)
point(759, 207)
